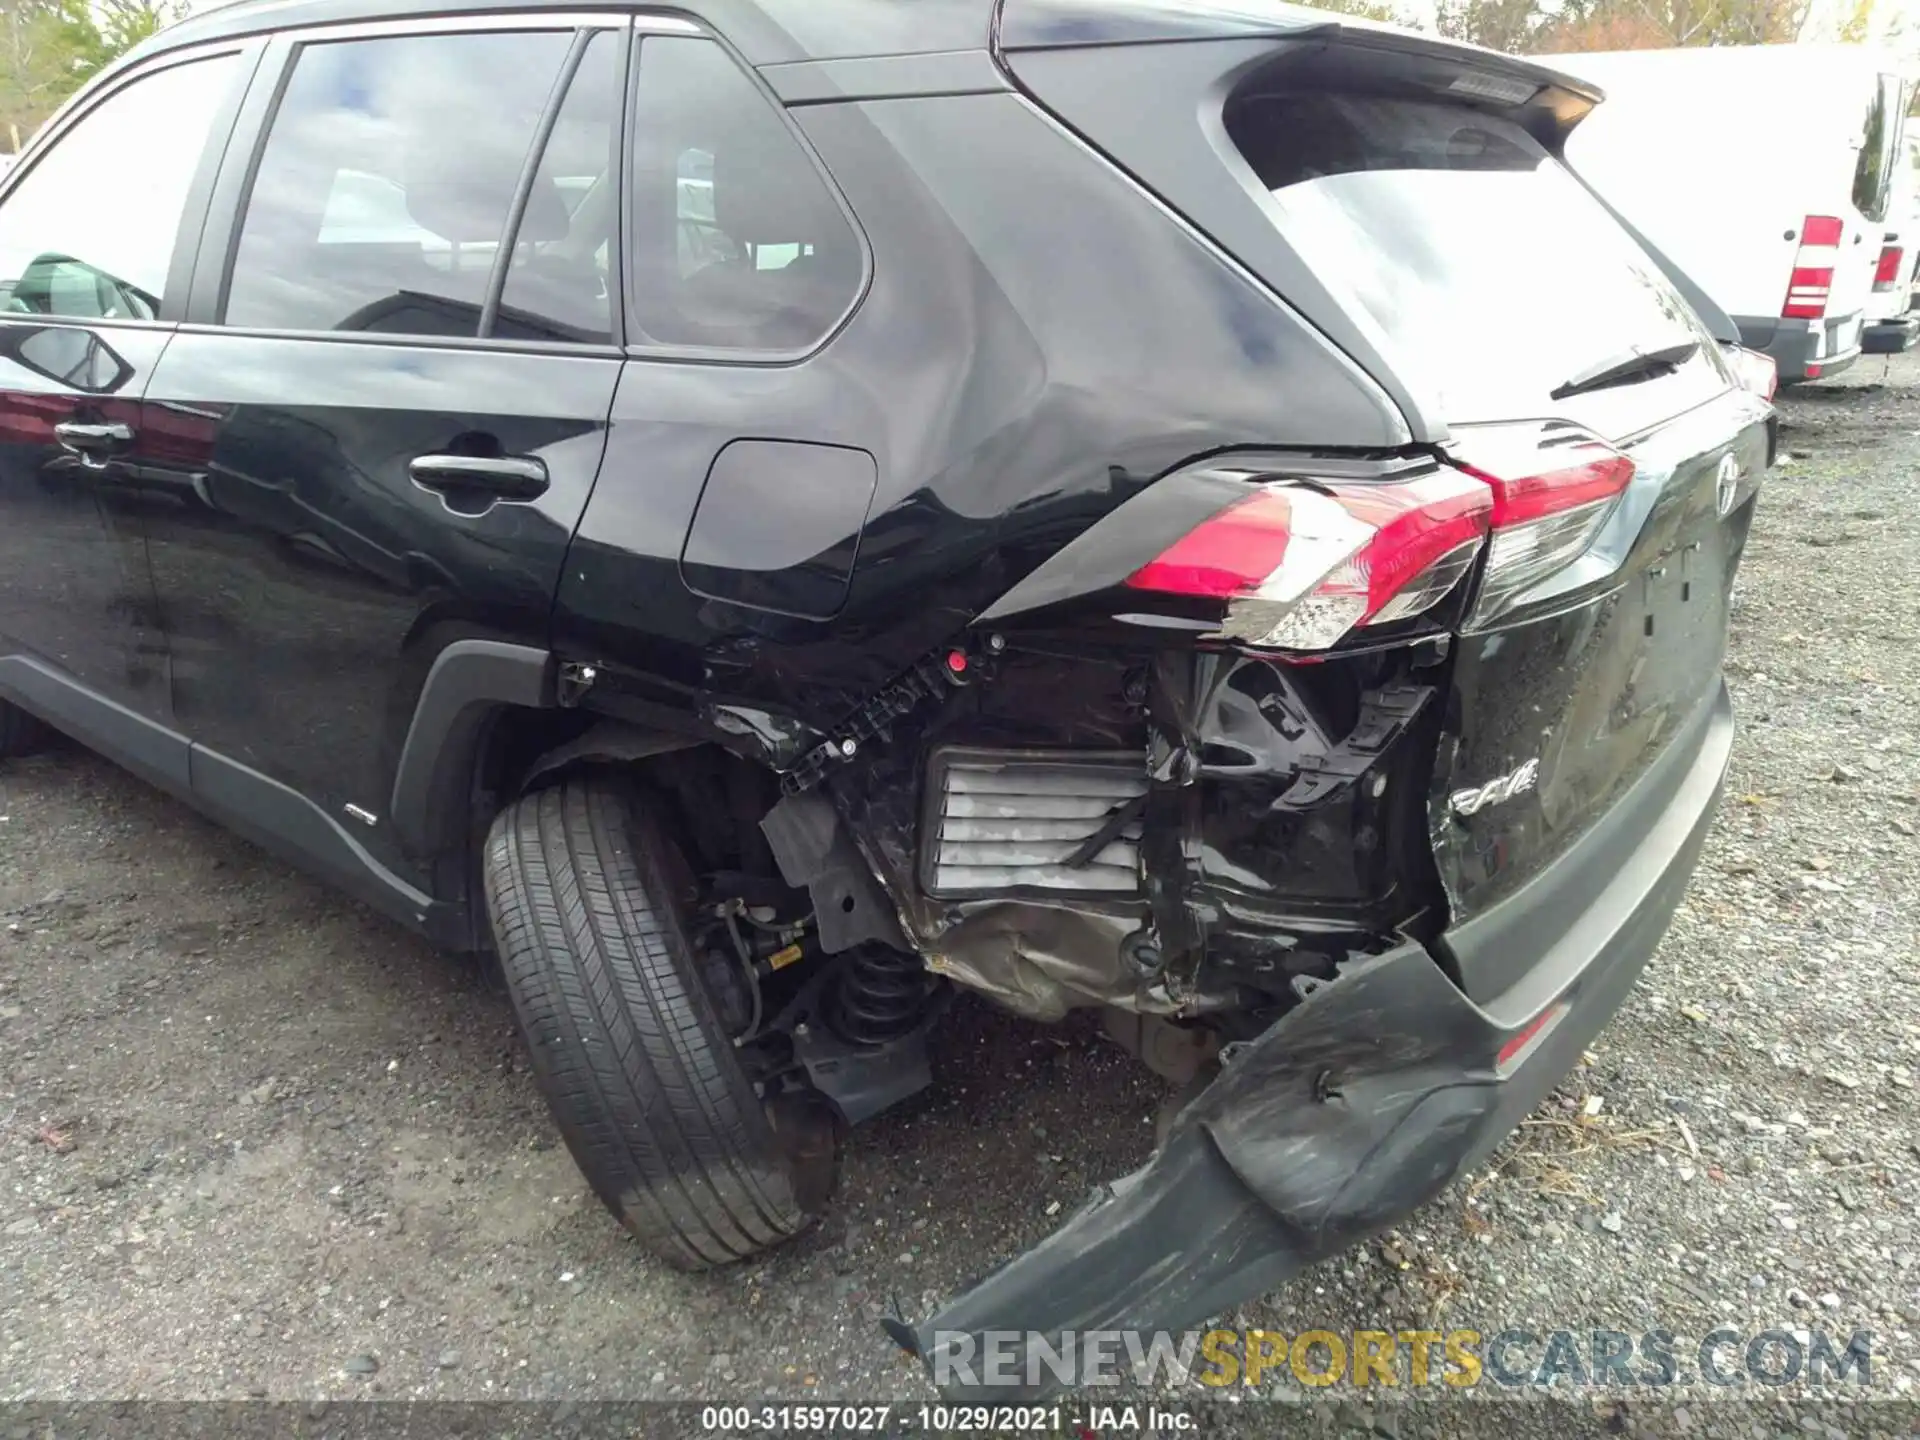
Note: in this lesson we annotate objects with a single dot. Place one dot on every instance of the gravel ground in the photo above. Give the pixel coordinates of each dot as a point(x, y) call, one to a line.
point(258, 1142)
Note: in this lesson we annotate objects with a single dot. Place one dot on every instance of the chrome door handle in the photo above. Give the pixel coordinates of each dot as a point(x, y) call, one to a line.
point(92, 443)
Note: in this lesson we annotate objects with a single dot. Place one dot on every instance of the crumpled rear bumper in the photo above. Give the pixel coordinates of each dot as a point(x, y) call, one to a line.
point(1358, 1106)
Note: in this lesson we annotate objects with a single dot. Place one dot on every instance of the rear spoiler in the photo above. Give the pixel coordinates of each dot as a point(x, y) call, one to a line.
point(1144, 82)
point(1553, 100)
point(1127, 76)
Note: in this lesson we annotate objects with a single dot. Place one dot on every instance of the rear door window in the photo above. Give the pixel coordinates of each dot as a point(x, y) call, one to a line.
point(386, 182)
point(558, 282)
point(1495, 276)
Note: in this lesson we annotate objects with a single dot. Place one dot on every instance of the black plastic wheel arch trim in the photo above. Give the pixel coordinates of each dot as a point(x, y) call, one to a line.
point(468, 680)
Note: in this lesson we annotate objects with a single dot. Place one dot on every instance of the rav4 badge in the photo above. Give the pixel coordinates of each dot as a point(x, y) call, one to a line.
point(1472, 801)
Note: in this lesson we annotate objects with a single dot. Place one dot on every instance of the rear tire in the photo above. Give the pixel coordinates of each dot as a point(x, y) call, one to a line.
point(19, 731)
point(636, 1067)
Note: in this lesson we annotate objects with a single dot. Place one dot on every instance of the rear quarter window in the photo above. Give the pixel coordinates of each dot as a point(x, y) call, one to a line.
point(1494, 274)
point(738, 242)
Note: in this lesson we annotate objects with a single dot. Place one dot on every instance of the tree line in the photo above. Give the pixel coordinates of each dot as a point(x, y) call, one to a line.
point(1544, 27)
point(1524, 26)
point(50, 48)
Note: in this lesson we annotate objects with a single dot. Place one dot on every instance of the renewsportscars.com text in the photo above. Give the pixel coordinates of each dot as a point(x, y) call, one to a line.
point(1459, 1358)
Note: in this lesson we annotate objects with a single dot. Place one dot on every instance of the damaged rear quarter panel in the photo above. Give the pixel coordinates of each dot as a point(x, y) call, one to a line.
point(1283, 833)
point(1290, 800)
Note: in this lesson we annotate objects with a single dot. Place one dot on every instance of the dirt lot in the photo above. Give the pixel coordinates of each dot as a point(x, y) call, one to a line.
point(257, 1141)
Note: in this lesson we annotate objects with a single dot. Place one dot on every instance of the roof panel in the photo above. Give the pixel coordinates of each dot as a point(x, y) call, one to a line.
point(1045, 24)
point(767, 32)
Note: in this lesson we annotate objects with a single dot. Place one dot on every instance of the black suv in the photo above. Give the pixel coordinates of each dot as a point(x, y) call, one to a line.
point(761, 513)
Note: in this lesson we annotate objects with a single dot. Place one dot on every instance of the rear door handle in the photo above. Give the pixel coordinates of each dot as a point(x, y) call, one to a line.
point(479, 477)
point(92, 443)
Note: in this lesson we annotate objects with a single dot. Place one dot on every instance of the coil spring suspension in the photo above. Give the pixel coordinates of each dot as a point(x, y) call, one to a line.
point(878, 995)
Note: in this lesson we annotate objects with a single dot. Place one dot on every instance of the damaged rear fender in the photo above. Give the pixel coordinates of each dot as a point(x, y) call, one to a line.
point(1348, 1112)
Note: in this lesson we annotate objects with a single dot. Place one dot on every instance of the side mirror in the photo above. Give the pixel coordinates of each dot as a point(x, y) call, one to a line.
point(69, 356)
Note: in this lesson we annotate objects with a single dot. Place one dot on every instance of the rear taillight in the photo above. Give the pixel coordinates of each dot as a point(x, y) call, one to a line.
point(1553, 487)
point(1753, 371)
point(1886, 275)
point(1812, 283)
point(1527, 1039)
point(1302, 563)
point(1822, 230)
point(1808, 292)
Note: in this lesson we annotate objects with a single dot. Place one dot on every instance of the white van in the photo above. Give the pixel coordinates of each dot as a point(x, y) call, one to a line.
point(1783, 226)
point(1892, 321)
point(1913, 210)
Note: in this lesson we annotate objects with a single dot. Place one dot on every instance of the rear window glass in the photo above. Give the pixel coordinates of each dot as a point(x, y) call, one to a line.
point(1494, 274)
point(1873, 170)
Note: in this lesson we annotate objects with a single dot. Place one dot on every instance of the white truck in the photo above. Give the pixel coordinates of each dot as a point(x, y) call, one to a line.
point(1784, 227)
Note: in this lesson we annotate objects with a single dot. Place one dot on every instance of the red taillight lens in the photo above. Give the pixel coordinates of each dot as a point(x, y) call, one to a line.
point(1808, 292)
point(1541, 469)
point(1229, 555)
point(1821, 230)
point(1887, 274)
point(1553, 486)
point(1530, 497)
point(1812, 283)
point(1302, 562)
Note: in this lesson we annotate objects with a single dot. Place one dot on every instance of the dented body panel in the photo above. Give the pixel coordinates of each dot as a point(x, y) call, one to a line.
point(1322, 885)
point(1352, 1109)
point(1006, 402)
point(1323, 890)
